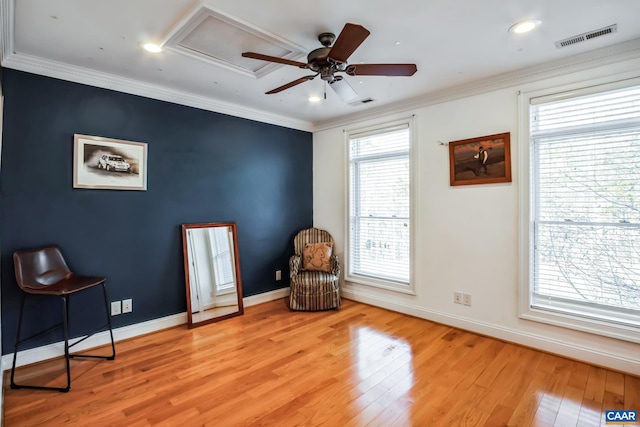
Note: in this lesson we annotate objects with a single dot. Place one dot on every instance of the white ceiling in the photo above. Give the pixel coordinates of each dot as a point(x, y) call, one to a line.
point(453, 43)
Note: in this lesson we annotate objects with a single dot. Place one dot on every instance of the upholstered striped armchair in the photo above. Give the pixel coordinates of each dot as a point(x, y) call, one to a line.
point(314, 272)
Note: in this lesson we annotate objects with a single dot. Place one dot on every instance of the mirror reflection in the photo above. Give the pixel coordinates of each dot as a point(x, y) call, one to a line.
point(212, 272)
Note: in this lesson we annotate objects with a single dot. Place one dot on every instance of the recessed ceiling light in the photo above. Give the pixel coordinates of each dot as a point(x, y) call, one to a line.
point(524, 26)
point(397, 43)
point(314, 99)
point(151, 47)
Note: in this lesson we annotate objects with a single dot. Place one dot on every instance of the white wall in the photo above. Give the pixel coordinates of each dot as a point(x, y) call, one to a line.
point(466, 237)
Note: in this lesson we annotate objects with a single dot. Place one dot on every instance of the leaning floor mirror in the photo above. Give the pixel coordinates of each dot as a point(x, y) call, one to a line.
point(212, 272)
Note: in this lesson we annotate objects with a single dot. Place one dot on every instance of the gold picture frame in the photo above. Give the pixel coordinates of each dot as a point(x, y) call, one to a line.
point(481, 160)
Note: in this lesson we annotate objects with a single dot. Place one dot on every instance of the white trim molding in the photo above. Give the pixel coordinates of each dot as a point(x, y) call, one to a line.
point(62, 71)
point(607, 55)
point(576, 314)
point(585, 61)
point(6, 28)
point(54, 350)
point(266, 297)
point(51, 351)
point(59, 70)
point(591, 355)
point(359, 132)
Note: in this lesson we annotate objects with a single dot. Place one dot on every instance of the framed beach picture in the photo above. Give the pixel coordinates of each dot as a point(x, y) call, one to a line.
point(109, 164)
point(482, 160)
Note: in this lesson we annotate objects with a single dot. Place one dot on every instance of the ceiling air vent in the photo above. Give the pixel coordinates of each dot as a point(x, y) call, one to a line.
point(587, 36)
point(361, 101)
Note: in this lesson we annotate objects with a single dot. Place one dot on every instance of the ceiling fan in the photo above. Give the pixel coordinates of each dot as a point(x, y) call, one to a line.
point(329, 60)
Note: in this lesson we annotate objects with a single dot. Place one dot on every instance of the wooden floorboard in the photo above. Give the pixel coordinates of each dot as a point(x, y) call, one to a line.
point(357, 366)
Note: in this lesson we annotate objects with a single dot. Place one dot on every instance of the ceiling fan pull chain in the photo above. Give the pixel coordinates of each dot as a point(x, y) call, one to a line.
point(325, 89)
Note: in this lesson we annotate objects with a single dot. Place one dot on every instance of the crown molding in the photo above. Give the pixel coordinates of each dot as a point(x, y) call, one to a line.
point(6, 28)
point(103, 80)
point(59, 70)
point(612, 54)
point(621, 52)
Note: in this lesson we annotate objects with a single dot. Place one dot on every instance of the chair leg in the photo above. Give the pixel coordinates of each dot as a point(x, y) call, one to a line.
point(15, 347)
point(113, 345)
point(67, 353)
point(65, 318)
point(106, 306)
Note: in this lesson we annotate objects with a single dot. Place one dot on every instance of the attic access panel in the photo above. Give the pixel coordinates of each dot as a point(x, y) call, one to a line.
point(220, 39)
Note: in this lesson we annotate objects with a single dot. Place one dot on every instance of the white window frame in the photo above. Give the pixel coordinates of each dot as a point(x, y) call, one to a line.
point(382, 283)
point(526, 187)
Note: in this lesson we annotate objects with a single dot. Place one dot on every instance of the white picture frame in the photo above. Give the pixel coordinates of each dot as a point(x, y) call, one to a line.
point(109, 164)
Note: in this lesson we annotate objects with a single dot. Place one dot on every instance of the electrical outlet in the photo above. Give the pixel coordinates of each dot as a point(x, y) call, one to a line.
point(278, 274)
point(457, 297)
point(116, 308)
point(466, 299)
point(127, 305)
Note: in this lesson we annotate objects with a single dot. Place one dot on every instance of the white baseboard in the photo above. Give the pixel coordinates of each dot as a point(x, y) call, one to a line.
point(588, 354)
point(266, 297)
point(51, 351)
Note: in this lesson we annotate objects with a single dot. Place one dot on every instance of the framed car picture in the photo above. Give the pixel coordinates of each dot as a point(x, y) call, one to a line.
point(109, 164)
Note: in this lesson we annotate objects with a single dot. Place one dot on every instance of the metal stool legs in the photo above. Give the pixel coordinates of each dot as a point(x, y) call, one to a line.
point(67, 346)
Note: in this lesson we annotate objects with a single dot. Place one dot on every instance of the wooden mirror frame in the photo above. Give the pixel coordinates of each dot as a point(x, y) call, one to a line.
point(236, 259)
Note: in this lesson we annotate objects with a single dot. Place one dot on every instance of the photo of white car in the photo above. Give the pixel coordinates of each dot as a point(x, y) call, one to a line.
point(112, 162)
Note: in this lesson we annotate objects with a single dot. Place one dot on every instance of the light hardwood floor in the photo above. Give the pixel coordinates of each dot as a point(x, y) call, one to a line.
point(359, 366)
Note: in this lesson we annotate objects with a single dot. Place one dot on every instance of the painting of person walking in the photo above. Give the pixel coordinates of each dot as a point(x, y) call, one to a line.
point(482, 160)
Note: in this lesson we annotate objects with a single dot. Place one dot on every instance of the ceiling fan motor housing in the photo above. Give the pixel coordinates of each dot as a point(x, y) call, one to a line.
point(318, 58)
point(320, 62)
point(326, 39)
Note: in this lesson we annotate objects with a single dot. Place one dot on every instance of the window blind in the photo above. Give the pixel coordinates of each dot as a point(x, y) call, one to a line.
point(379, 206)
point(585, 250)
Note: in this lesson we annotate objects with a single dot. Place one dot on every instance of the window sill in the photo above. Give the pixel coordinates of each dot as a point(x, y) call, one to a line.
point(583, 324)
point(389, 285)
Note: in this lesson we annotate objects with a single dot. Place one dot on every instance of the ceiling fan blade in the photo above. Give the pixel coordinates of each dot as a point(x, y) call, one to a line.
point(269, 58)
point(343, 89)
point(290, 84)
point(381, 69)
point(350, 38)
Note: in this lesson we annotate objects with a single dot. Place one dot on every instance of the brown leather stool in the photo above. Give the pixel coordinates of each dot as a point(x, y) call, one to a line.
point(44, 272)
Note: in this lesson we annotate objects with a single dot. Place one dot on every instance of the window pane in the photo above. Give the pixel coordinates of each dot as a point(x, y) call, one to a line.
point(385, 142)
point(384, 188)
point(609, 107)
point(379, 208)
point(589, 263)
point(381, 248)
point(586, 205)
point(593, 177)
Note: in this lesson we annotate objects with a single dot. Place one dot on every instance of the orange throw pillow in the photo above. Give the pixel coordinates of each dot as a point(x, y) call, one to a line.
point(317, 256)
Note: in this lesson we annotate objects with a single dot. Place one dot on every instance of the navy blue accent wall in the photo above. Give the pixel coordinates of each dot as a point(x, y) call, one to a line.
point(202, 167)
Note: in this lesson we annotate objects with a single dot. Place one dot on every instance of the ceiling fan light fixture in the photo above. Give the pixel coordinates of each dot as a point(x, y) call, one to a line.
point(524, 26)
point(152, 47)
